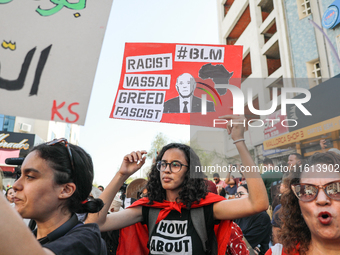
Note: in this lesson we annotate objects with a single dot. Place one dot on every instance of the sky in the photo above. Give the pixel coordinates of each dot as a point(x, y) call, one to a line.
point(149, 21)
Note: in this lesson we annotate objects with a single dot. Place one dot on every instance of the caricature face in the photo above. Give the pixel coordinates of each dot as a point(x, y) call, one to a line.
point(185, 85)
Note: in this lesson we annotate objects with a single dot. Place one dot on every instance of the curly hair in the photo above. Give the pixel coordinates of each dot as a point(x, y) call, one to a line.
point(294, 229)
point(193, 187)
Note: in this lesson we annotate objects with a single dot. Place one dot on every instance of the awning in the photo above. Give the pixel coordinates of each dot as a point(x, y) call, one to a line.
point(6, 168)
point(7, 153)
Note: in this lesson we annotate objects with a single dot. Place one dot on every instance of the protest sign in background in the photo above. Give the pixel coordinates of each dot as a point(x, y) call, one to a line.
point(168, 82)
point(48, 55)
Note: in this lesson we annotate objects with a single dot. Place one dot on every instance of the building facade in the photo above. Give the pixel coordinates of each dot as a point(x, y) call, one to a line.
point(18, 135)
point(285, 45)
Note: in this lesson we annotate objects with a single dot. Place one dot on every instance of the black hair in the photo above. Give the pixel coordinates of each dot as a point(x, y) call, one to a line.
point(298, 156)
point(223, 192)
point(244, 186)
point(216, 175)
point(100, 186)
point(7, 191)
point(58, 158)
point(193, 187)
point(268, 161)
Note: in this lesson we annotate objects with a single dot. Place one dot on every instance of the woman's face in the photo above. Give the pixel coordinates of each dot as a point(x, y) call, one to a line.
point(322, 215)
point(241, 192)
point(36, 192)
point(10, 195)
point(172, 181)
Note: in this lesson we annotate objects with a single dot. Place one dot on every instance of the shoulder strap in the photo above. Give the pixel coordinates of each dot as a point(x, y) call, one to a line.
point(153, 214)
point(197, 217)
point(251, 251)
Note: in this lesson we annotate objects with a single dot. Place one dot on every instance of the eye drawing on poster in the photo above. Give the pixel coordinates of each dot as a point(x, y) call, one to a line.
point(18, 84)
point(186, 102)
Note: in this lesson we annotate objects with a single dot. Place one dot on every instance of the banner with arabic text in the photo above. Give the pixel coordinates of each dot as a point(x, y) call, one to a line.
point(48, 56)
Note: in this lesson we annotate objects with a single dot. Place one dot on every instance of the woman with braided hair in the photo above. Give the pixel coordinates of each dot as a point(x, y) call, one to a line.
point(55, 183)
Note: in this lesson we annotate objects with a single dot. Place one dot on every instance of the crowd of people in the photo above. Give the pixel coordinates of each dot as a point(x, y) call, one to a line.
point(179, 211)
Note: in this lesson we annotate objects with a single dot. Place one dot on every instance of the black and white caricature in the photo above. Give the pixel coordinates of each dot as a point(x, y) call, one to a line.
point(186, 102)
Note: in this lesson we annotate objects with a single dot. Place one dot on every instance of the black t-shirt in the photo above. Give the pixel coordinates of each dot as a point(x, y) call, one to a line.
point(81, 240)
point(176, 234)
point(256, 229)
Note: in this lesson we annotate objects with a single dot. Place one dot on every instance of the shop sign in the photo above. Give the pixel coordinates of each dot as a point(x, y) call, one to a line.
point(16, 141)
point(276, 128)
point(331, 16)
point(266, 153)
point(303, 133)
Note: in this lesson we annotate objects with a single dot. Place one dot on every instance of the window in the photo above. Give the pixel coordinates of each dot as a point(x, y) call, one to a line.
point(1, 122)
point(239, 27)
point(227, 6)
point(7, 123)
point(314, 73)
point(316, 70)
point(304, 8)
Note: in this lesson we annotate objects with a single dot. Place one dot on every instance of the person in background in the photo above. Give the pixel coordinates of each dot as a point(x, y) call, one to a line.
point(256, 228)
point(10, 193)
point(276, 221)
point(323, 145)
point(270, 175)
point(55, 183)
point(231, 188)
point(173, 188)
point(310, 210)
point(1, 184)
point(294, 161)
point(211, 187)
point(218, 181)
point(101, 188)
point(238, 181)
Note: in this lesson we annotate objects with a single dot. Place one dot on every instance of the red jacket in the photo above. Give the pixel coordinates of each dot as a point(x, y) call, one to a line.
point(138, 233)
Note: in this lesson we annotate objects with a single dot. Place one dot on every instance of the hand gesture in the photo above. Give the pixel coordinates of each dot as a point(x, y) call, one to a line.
point(323, 143)
point(236, 126)
point(132, 162)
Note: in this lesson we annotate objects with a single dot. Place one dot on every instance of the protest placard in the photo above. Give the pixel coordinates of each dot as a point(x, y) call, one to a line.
point(48, 55)
point(177, 83)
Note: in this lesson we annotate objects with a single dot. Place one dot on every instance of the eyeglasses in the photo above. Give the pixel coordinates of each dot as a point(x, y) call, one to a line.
point(239, 194)
point(175, 166)
point(308, 192)
point(63, 140)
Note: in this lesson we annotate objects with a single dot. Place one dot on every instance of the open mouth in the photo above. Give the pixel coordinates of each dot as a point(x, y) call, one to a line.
point(325, 218)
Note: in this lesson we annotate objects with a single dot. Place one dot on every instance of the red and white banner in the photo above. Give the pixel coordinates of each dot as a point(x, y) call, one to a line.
point(177, 83)
point(274, 127)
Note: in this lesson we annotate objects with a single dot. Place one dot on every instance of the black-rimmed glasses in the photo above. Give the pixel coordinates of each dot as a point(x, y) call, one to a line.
point(308, 192)
point(175, 166)
point(239, 194)
point(63, 140)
